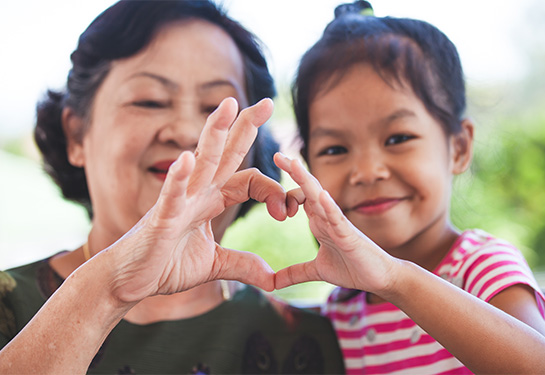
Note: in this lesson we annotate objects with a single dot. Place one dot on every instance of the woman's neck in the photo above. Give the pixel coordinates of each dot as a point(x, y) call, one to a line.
point(188, 304)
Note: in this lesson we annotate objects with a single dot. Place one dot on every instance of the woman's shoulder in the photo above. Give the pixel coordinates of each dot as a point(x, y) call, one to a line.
point(13, 288)
point(26, 275)
point(23, 290)
point(25, 270)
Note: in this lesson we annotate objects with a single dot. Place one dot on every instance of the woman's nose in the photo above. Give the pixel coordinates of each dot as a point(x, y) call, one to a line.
point(182, 130)
point(369, 168)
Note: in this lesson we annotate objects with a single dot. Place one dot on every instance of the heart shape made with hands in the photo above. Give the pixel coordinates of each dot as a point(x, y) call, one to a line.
point(172, 248)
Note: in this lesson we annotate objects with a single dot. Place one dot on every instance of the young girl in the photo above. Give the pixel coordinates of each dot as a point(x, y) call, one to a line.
point(380, 108)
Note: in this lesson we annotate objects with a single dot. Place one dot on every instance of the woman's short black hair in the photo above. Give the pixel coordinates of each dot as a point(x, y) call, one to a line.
point(401, 50)
point(122, 31)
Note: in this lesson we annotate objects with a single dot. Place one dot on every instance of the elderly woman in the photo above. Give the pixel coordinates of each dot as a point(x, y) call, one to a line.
point(128, 140)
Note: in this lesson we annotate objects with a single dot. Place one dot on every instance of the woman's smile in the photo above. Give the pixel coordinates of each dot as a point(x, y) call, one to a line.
point(160, 169)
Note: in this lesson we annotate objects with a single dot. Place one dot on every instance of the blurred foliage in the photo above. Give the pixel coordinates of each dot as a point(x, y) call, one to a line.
point(504, 192)
point(280, 244)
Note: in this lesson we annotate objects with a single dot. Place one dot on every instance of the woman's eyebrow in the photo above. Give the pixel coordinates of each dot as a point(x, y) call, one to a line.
point(163, 80)
point(217, 83)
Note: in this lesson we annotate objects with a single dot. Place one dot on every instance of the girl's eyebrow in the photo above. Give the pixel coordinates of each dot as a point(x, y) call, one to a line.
point(325, 132)
point(400, 113)
point(332, 132)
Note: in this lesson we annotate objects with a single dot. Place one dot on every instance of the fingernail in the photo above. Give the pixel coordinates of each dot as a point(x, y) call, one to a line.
point(284, 156)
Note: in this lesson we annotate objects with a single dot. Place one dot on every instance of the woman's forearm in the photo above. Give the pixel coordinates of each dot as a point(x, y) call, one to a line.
point(64, 336)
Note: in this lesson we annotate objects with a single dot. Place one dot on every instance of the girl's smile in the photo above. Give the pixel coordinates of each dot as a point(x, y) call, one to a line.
point(376, 206)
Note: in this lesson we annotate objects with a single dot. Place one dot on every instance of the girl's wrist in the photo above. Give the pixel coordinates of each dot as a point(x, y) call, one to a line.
point(395, 287)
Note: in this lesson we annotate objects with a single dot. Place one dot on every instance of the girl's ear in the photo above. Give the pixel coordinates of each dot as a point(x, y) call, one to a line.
point(462, 147)
point(72, 126)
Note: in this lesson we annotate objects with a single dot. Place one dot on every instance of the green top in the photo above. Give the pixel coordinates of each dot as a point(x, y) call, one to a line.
point(252, 333)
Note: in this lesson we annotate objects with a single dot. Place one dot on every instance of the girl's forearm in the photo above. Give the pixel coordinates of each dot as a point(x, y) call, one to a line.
point(484, 338)
point(64, 336)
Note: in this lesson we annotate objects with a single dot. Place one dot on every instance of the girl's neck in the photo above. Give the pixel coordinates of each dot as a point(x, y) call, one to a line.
point(428, 248)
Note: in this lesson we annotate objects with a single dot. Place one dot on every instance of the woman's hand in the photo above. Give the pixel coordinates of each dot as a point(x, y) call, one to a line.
point(346, 256)
point(172, 248)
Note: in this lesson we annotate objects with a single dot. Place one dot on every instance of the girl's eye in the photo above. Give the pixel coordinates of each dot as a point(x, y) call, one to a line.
point(151, 104)
point(398, 138)
point(332, 150)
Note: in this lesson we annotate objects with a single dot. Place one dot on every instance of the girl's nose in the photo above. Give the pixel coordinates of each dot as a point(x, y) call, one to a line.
point(368, 169)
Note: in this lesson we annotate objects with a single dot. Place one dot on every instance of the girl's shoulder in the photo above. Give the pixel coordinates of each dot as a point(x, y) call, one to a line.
point(474, 244)
point(484, 265)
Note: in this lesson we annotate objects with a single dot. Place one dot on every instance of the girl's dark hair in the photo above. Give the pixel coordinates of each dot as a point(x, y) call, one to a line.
point(122, 31)
point(401, 50)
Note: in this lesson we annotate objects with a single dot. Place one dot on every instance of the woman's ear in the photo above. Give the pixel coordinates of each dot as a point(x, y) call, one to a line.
point(72, 126)
point(462, 147)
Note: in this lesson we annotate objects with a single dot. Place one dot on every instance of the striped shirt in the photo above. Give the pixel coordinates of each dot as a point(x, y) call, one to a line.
point(381, 339)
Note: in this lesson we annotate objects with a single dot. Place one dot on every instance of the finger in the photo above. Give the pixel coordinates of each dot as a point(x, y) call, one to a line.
point(212, 142)
point(341, 226)
point(241, 137)
point(296, 274)
point(309, 184)
point(294, 198)
point(245, 267)
point(251, 183)
point(172, 197)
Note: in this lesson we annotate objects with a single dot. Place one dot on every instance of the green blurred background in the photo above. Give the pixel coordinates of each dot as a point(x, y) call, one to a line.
point(503, 192)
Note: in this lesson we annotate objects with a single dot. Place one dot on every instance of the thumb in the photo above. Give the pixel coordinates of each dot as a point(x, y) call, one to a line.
point(243, 266)
point(296, 274)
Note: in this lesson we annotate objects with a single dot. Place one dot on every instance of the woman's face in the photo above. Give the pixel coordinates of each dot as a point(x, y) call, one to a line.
point(150, 108)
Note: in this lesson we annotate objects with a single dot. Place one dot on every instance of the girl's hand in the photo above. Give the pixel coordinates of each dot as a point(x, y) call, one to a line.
point(172, 248)
point(346, 256)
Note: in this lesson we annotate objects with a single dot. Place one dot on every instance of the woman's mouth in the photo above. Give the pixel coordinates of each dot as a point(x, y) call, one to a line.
point(376, 206)
point(160, 169)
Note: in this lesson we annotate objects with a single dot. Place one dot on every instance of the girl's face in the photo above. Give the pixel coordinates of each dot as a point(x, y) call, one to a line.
point(150, 108)
point(383, 158)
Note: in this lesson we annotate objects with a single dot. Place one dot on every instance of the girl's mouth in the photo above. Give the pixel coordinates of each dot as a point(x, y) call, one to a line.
point(376, 206)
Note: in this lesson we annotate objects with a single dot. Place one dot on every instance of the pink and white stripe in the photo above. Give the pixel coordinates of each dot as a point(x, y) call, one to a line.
point(381, 339)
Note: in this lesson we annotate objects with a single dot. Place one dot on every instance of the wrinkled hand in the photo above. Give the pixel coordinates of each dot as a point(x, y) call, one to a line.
point(172, 248)
point(346, 256)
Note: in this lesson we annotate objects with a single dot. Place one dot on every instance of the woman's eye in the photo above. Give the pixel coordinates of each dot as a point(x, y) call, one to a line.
point(399, 138)
point(332, 150)
point(152, 104)
point(209, 109)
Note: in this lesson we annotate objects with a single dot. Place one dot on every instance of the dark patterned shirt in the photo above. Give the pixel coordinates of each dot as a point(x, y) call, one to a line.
point(251, 333)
